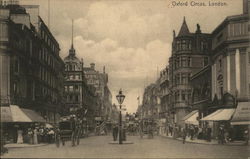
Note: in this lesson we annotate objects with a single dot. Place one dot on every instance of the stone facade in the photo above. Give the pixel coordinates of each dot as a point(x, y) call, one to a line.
point(31, 69)
point(190, 53)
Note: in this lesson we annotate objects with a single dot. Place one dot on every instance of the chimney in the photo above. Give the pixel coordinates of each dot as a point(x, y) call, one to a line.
point(246, 6)
point(92, 66)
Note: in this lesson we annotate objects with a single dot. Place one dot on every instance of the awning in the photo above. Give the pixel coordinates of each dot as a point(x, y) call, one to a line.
point(191, 118)
point(220, 115)
point(242, 114)
point(14, 113)
point(33, 116)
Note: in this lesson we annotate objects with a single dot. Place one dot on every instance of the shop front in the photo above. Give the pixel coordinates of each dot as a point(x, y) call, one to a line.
point(217, 119)
point(16, 123)
point(241, 120)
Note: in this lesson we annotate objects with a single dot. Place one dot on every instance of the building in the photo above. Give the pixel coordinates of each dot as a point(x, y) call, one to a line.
point(99, 81)
point(80, 98)
point(190, 53)
point(31, 69)
point(230, 62)
point(150, 107)
point(201, 92)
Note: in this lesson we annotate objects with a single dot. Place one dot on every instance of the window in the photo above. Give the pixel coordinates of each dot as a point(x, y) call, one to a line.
point(183, 62)
point(76, 87)
point(65, 88)
point(184, 79)
point(183, 95)
point(183, 45)
point(16, 66)
point(219, 37)
point(189, 61)
point(178, 45)
point(77, 98)
point(3, 31)
point(203, 46)
point(220, 63)
point(71, 88)
point(70, 97)
point(205, 61)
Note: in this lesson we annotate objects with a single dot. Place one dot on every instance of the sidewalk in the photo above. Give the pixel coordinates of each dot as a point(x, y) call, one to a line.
point(213, 142)
point(14, 145)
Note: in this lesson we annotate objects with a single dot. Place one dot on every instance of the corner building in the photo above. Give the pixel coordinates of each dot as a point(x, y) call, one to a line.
point(190, 53)
point(31, 70)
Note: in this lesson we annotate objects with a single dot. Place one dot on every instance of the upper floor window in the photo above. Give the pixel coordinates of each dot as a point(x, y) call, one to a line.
point(219, 38)
point(205, 61)
point(204, 46)
point(189, 61)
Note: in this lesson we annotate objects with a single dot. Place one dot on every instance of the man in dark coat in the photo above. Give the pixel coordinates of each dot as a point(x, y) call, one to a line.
point(115, 132)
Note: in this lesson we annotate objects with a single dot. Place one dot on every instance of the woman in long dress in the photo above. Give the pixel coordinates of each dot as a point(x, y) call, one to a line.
point(19, 136)
point(35, 136)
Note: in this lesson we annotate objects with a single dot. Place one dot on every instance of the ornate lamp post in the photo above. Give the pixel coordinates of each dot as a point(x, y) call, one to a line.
point(120, 98)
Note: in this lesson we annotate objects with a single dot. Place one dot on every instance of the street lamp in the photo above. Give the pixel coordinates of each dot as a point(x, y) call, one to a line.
point(120, 98)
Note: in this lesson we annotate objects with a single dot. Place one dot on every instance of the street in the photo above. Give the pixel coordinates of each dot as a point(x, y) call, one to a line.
point(159, 147)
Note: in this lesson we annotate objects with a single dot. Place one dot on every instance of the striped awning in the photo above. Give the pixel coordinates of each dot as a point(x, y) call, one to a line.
point(220, 115)
point(191, 118)
point(14, 113)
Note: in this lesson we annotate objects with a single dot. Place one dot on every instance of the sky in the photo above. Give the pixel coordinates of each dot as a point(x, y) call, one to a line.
point(131, 38)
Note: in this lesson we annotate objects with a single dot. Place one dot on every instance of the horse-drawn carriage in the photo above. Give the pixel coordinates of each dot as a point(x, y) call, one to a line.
point(70, 128)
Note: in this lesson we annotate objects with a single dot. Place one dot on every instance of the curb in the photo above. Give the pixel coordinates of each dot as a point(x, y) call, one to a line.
point(202, 143)
point(27, 146)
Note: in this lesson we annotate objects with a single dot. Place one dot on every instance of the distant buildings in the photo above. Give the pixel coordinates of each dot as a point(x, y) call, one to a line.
point(99, 82)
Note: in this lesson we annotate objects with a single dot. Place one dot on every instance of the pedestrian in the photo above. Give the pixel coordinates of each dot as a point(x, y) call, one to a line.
point(221, 135)
point(209, 132)
point(246, 136)
point(192, 132)
point(150, 131)
point(57, 136)
point(30, 135)
point(35, 141)
point(184, 135)
point(51, 133)
point(115, 132)
point(20, 136)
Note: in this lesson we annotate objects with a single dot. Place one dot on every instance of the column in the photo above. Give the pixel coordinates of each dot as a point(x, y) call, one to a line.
point(237, 69)
point(228, 73)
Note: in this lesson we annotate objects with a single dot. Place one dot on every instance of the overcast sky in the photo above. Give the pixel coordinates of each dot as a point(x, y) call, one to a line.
point(130, 37)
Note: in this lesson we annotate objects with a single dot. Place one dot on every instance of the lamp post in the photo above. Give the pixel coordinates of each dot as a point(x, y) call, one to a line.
point(120, 98)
